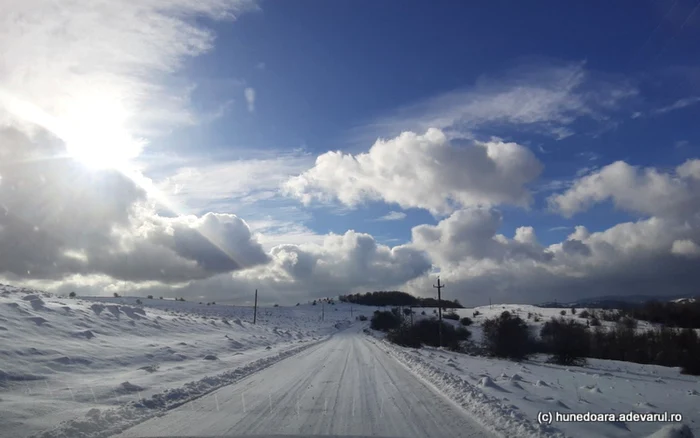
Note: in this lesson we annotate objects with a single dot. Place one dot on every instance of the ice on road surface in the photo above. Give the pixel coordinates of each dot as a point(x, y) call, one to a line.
point(343, 386)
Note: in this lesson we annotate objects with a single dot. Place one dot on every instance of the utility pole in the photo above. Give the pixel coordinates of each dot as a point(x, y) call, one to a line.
point(255, 309)
point(439, 288)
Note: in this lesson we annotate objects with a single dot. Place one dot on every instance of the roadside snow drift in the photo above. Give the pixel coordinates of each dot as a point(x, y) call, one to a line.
point(65, 358)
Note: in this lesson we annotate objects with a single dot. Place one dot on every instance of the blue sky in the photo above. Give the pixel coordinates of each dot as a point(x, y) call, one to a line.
point(308, 148)
point(324, 72)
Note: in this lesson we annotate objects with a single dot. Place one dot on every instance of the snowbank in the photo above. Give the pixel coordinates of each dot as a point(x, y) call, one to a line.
point(62, 357)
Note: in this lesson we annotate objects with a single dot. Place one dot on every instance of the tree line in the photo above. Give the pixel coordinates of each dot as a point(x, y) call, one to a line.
point(396, 298)
point(566, 341)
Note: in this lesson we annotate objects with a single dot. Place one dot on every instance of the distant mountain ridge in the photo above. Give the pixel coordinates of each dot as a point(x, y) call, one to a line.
point(617, 301)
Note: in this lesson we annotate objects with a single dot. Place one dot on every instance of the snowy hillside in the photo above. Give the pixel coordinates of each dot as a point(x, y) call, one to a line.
point(100, 366)
point(62, 357)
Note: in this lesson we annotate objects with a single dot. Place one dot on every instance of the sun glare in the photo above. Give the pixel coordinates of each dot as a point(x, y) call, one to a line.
point(99, 144)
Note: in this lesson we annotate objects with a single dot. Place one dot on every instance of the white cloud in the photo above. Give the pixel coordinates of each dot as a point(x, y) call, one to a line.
point(543, 96)
point(249, 94)
point(679, 104)
point(640, 190)
point(206, 184)
point(95, 77)
point(336, 264)
point(423, 171)
point(686, 248)
point(472, 235)
point(100, 68)
point(392, 216)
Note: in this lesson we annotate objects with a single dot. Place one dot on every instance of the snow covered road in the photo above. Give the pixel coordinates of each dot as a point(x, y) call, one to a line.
point(343, 386)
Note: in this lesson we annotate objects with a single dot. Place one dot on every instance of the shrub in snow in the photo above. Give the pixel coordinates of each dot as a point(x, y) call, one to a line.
point(466, 321)
point(407, 311)
point(138, 301)
point(150, 297)
point(452, 316)
point(584, 314)
point(116, 295)
point(427, 332)
point(628, 322)
point(362, 318)
point(566, 340)
point(573, 311)
point(562, 313)
point(72, 294)
point(385, 320)
point(476, 313)
point(507, 336)
point(595, 322)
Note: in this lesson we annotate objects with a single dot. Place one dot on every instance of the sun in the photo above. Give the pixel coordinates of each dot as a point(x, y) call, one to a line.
point(99, 153)
point(102, 145)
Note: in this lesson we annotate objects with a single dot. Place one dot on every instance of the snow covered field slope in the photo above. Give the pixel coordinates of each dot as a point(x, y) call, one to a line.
point(95, 367)
point(501, 392)
point(62, 357)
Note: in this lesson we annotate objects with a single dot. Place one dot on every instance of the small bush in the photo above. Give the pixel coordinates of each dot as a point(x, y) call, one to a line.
point(628, 323)
point(573, 311)
point(384, 321)
point(562, 313)
point(71, 295)
point(407, 311)
point(536, 318)
point(452, 316)
point(566, 340)
point(595, 322)
point(529, 315)
point(138, 301)
point(362, 318)
point(116, 295)
point(297, 304)
point(160, 298)
point(427, 332)
point(507, 336)
point(423, 312)
point(584, 314)
point(276, 305)
point(314, 303)
point(150, 297)
point(476, 313)
point(466, 321)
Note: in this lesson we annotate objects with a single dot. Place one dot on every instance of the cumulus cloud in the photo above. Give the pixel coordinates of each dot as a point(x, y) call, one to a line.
point(59, 219)
point(334, 265)
point(89, 80)
point(651, 256)
point(471, 235)
point(686, 248)
point(423, 171)
point(647, 191)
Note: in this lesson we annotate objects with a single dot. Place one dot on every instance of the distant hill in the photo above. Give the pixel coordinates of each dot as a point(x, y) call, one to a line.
point(616, 301)
point(397, 298)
